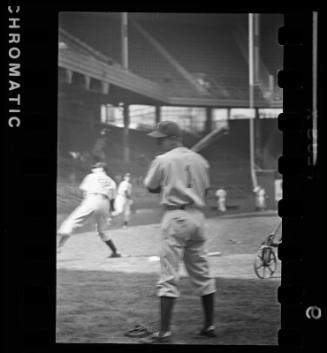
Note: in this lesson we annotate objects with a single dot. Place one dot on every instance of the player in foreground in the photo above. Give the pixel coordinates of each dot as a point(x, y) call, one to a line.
point(98, 189)
point(182, 177)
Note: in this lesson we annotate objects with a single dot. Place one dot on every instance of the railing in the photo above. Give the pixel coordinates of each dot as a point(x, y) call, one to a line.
point(79, 44)
point(92, 67)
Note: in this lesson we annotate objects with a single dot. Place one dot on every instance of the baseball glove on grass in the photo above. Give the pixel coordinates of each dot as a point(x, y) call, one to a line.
point(138, 331)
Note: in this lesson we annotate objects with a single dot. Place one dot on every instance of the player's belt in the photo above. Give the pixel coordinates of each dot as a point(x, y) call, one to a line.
point(176, 207)
point(103, 195)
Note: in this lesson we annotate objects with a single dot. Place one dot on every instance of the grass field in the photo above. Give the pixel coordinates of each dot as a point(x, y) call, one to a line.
point(98, 299)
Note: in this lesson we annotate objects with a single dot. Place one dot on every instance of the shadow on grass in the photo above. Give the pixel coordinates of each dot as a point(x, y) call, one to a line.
point(98, 307)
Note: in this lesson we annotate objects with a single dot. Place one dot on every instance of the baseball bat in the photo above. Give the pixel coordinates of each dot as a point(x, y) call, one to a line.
point(210, 138)
point(214, 253)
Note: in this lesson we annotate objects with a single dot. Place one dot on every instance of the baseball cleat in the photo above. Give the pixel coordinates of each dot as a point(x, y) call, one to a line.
point(117, 254)
point(208, 332)
point(157, 337)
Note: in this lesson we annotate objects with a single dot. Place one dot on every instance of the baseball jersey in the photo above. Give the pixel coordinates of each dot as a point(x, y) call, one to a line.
point(221, 193)
point(124, 187)
point(261, 193)
point(183, 176)
point(98, 182)
point(256, 189)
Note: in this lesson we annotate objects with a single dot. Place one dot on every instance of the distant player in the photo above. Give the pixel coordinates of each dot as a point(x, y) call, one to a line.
point(123, 201)
point(98, 189)
point(260, 198)
point(182, 178)
point(221, 200)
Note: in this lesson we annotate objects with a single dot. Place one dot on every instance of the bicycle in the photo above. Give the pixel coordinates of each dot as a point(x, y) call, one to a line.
point(265, 263)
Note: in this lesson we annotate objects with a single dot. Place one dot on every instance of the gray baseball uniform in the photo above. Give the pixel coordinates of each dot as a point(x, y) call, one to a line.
point(183, 177)
point(98, 189)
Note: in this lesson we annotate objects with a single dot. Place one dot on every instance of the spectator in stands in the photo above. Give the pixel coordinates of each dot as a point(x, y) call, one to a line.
point(142, 159)
point(260, 198)
point(118, 178)
point(74, 160)
point(98, 151)
point(221, 195)
point(140, 181)
point(85, 161)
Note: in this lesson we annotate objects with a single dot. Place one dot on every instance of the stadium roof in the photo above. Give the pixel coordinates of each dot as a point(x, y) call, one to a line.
point(192, 18)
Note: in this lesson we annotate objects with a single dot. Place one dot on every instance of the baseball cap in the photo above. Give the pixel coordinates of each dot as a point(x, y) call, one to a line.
point(104, 132)
point(166, 129)
point(99, 165)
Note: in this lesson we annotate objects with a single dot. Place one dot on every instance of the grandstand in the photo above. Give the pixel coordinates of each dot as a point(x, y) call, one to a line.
point(174, 60)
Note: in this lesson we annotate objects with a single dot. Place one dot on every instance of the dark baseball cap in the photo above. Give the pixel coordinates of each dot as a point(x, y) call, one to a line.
point(166, 129)
point(104, 132)
point(99, 165)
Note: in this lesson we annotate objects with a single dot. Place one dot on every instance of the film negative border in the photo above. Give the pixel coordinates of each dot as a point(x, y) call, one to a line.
point(300, 290)
point(30, 282)
point(30, 175)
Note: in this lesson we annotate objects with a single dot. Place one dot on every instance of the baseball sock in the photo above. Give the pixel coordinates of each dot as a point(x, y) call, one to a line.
point(62, 240)
point(166, 307)
point(111, 246)
point(208, 306)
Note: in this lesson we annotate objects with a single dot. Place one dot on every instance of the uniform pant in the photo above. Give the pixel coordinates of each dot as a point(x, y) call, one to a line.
point(123, 205)
point(260, 202)
point(183, 239)
point(96, 206)
point(221, 205)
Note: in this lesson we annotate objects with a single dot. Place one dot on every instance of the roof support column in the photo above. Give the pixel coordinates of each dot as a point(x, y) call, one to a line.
point(124, 39)
point(229, 113)
point(96, 109)
point(126, 133)
point(105, 87)
point(158, 114)
point(257, 138)
point(208, 122)
point(69, 76)
point(87, 82)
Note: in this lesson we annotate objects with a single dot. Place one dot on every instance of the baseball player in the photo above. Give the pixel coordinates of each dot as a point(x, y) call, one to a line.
point(221, 200)
point(123, 200)
point(98, 189)
point(182, 178)
point(260, 198)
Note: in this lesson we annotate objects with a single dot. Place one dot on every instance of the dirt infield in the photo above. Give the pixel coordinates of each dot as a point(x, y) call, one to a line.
point(236, 239)
point(229, 266)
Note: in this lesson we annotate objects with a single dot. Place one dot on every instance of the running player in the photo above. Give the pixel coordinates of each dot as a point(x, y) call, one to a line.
point(98, 189)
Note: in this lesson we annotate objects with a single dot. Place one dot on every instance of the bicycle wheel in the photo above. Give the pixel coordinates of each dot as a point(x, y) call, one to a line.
point(265, 263)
